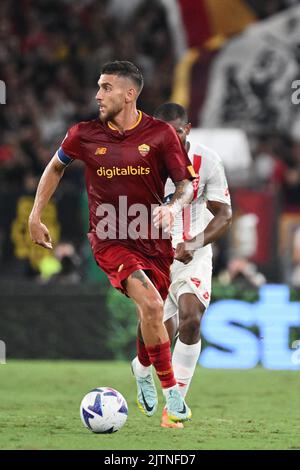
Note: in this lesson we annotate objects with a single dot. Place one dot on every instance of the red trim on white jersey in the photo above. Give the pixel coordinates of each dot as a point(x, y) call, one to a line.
point(186, 213)
point(186, 222)
point(197, 160)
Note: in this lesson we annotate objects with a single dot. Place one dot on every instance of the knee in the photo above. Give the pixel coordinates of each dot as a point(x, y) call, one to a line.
point(189, 322)
point(152, 310)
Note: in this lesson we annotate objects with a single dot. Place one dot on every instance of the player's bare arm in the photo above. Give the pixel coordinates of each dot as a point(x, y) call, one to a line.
point(215, 229)
point(48, 183)
point(164, 215)
point(219, 224)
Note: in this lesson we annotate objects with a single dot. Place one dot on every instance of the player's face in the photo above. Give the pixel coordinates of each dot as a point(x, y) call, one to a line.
point(182, 129)
point(112, 96)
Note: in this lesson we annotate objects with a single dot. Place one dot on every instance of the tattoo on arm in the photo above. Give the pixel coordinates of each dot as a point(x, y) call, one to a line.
point(183, 195)
point(141, 277)
point(180, 188)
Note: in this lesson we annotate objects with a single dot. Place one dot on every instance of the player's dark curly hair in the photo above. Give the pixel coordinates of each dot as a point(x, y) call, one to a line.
point(170, 112)
point(123, 68)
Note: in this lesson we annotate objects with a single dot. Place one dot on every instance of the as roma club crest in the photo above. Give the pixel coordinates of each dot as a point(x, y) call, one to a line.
point(144, 149)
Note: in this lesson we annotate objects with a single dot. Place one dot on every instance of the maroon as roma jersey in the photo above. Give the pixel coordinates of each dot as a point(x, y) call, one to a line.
point(125, 178)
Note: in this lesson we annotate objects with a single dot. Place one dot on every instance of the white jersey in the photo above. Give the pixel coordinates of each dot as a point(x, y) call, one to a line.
point(210, 185)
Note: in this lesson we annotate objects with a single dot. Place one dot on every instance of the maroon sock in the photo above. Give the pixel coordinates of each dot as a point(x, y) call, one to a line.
point(160, 356)
point(142, 353)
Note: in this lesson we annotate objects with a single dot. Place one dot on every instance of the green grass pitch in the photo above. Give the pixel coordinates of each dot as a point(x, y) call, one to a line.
point(232, 409)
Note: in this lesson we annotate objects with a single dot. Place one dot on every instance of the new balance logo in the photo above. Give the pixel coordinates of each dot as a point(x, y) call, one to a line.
point(164, 372)
point(181, 384)
point(101, 151)
point(196, 281)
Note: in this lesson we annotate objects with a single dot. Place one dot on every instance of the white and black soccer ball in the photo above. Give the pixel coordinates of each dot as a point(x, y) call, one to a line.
point(103, 410)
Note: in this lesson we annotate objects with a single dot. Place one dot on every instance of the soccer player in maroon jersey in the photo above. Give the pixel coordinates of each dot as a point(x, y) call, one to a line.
point(128, 156)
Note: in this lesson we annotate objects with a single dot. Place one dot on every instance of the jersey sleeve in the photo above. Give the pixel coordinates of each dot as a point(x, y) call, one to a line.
point(70, 147)
point(217, 186)
point(175, 157)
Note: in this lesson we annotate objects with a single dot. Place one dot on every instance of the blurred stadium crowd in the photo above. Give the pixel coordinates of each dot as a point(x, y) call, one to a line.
point(51, 52)
point(50, 56)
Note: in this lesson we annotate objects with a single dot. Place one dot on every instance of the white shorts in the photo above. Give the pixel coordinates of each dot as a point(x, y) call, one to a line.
point(192, 278)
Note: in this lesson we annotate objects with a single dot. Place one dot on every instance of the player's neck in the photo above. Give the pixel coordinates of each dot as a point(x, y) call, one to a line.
point(126, 119)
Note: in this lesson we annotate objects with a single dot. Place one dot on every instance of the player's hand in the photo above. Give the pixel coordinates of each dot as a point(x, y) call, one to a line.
point(163, 216)
point(182, 254)
point(39, 233)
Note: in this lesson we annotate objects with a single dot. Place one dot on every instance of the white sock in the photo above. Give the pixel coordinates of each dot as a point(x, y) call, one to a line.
point(184, 360)
point(141, 370)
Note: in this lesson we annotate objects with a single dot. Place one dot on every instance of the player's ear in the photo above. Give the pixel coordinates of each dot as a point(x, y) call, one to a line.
point(187, 128)
point(131, 95)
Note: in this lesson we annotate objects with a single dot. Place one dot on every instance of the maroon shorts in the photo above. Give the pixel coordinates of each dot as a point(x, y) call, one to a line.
point(118, 262)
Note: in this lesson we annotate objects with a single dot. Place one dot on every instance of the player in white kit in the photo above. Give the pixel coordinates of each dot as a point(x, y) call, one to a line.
point(201, 223)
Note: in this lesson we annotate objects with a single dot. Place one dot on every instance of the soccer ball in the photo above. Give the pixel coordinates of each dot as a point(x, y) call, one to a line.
point(103, 410)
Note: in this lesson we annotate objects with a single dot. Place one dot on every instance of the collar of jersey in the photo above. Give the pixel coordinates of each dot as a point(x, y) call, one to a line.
point(113, 128)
